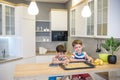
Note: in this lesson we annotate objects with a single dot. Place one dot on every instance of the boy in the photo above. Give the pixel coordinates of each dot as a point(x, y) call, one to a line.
point(60, 58)
point(60, 55)
point(79, 54)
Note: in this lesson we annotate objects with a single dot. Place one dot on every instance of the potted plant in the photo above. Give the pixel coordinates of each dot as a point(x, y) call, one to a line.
point(111, 45)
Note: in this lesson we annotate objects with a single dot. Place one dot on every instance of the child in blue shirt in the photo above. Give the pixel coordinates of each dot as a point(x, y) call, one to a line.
point(79, 54)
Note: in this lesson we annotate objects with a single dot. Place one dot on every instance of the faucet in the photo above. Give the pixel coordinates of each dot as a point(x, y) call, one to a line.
point(3, 52)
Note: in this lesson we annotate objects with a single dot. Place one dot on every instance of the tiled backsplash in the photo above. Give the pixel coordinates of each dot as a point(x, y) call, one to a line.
point(3, 45)
point(89, 43)
point(11, 45)
point(50, 46)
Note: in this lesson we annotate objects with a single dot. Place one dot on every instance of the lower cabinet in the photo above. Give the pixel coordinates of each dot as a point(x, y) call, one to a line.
point(32, 78)
point(7, 69)
point(44, 58)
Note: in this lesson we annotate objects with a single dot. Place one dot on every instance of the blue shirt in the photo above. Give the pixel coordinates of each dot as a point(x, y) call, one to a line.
point(75, 55)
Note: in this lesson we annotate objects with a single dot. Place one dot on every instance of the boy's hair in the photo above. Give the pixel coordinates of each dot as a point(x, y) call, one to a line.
point(76, 42)
point(60, 48)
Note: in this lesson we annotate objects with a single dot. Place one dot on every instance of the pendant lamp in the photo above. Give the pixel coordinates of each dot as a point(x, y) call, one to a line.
point(86, 12)
point(33, 8)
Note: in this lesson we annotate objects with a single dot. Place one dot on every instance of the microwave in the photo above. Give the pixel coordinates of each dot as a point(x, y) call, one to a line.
point(59, 35)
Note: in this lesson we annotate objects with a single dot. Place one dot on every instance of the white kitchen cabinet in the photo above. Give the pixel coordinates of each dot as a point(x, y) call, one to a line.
point(77, 22)
point(7, 69)
point(90, 20)
point(72, 22)
point(1, 19)
point(58, 19)
point(25, 24)
point(7, 19)
point(103, 23)
point(106, 19)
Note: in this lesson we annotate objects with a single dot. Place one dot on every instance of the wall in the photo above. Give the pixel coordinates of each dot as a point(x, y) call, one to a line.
point(44, 9)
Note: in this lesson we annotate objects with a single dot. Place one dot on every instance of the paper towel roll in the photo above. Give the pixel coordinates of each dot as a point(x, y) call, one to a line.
point(42, 50)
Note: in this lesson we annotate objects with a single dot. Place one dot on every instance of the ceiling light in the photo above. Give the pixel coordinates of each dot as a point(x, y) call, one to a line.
point(86, 12)
point(33, 8)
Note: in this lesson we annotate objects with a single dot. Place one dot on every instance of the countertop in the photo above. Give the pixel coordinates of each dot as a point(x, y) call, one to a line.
point(9, 59)
point(42, 69)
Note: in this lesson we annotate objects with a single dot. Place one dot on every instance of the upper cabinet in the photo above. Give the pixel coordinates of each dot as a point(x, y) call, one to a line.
point(0, 19)
point(103, 23)
point(77, 22)
point(58, 19)
point(25, 26)
point(90, 20)
point(7, 19)
point(102, 20)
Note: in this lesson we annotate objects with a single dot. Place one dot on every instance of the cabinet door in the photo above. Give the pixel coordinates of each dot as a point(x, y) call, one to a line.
point(9, 20)
point(0, 19)
point(7, 71)
point(90, 20)
point(78, 23)
point(26, 30)
point(28, 37)
point(58, 19)
point(72, 22)
point(102, 17)
point(97, 23)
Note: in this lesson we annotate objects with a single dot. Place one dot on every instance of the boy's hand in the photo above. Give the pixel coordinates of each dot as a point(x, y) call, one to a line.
point(66, 62)
point(90, 59)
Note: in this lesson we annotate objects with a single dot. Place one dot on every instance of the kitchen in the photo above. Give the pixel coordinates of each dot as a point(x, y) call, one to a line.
point(23, 44)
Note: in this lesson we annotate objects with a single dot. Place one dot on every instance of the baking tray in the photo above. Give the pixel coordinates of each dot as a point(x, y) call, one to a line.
point(77, 65)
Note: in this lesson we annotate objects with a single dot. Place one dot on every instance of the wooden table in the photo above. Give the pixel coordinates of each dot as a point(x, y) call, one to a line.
point(43, 70)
